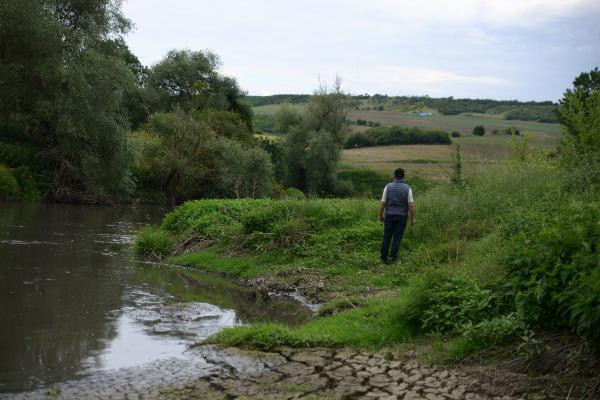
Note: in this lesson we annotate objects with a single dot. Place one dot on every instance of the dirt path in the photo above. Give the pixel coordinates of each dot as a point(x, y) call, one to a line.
point(282, 374)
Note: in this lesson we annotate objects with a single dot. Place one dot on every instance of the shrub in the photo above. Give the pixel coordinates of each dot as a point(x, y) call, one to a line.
point(452, 304)
point(554, 268)
point(27, 184)
point(479, 130)
point(455, 134)
point(9, 187)
point(152, 242)
point(512, 131)
point(294, 193)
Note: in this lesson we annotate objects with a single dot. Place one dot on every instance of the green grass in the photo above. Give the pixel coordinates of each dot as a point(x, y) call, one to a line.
point(371, 326)
point(462, 123)
point(455, 275)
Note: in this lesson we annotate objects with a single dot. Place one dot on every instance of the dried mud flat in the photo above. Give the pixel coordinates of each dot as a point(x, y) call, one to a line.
point(287, 374)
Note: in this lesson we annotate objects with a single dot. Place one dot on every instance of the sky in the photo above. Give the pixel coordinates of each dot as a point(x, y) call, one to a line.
point(499, 49)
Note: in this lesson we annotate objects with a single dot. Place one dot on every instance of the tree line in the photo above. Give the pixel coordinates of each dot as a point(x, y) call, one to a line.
point(82, 120)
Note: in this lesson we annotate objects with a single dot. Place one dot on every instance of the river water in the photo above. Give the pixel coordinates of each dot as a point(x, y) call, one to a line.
point(75, 301)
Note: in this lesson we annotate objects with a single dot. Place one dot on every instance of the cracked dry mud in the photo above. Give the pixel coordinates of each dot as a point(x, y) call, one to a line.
point(282, 374)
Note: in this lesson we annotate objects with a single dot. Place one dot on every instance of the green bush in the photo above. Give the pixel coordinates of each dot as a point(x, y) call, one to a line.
point(479, 130)
point(452, 304)
point(27, 184)
point(152, 242)
point(554, 265)
point(9, 188)
point(293, 193)
point(455, 134)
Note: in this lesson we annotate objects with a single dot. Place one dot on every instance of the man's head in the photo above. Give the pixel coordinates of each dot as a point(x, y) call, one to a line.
point(399, 173)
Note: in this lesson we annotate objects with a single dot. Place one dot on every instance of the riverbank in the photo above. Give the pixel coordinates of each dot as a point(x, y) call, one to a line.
point(478, 272)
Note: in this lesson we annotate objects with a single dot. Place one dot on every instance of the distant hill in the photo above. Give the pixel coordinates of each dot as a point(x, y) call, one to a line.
point(541, 111)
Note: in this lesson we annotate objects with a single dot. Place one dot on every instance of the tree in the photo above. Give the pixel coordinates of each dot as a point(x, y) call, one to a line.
point(63, 81)
point(190, 80)
point(183, 157)
point(579, 112)
point(313, 148)
point(479, 130)
point(286, 117)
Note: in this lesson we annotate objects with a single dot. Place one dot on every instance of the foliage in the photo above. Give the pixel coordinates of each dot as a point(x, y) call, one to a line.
point(294, 193)
point(455, 134)
point(255, 101)
point(286, 117)
point(8, 184)
point(554, 267)
point(152, 242)
point(579, 112)
point(313, 148)
point(533, 113)
point(385, 136)
point(456, 179)
point(483, 335)
point(63, 80)
point(276, 151)
point(479, 130)
point(452, 304)
point(182, 157)
point(264, 123)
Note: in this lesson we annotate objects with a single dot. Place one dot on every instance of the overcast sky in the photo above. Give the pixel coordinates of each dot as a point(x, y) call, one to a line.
point(501, 49)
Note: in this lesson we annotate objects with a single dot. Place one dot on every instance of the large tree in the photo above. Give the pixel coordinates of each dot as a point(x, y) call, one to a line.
point(314, 146)
point(190, 80)
point(63, 79)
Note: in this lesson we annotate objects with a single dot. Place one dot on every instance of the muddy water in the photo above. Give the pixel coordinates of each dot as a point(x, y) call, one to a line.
point(75, 301)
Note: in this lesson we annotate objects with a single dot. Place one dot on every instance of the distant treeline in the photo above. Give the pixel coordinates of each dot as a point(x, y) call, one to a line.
point(390, 135)
point(542, 111)
point(255, 101)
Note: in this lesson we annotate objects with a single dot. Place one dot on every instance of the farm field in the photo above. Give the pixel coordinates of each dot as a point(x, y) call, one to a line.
point(462, 123)
point(434, 161)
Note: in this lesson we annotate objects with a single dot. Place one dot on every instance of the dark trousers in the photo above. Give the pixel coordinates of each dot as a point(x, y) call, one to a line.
point(393, 229)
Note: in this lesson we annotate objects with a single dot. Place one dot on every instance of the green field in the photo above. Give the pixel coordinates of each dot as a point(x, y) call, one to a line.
point(434, 161)
point(462, 123)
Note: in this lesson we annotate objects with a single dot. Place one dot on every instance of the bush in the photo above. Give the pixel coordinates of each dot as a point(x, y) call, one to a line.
point(479, 130)
point(554, 268)
point(294, 193)
point(452, 304)
point(152, 242)
point(455, 134)
point(27, 184)
point(9, 188)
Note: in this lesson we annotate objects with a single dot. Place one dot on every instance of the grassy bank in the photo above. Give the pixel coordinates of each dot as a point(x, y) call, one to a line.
point(514, 250)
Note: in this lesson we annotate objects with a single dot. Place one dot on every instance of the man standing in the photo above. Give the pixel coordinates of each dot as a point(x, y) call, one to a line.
point(397, 203)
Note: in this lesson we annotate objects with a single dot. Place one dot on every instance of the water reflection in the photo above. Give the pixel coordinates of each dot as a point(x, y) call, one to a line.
point(74, 301)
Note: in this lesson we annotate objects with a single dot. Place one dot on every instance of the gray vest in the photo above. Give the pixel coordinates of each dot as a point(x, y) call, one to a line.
point(397, 198)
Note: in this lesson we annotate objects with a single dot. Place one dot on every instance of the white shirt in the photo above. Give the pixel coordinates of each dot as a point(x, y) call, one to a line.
point(410, 195)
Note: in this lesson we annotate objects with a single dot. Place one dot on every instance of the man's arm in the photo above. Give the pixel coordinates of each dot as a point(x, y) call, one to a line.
point(413, 213)
point(382, 204)
point(381, 210)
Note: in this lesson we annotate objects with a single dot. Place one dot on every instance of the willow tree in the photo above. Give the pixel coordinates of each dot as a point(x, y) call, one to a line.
point(63, 79)
point(314, 146)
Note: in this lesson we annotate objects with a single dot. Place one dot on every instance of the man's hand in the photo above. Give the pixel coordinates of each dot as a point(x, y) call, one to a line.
point(413, 221)
point(381, 218)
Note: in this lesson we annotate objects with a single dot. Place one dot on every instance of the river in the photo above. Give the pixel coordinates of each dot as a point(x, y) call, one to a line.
point(75, 301)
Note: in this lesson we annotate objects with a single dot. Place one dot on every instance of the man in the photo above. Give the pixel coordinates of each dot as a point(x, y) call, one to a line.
point(396, 204)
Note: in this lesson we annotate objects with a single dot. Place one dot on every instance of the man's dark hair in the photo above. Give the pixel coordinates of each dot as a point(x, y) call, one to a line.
point(399, 173)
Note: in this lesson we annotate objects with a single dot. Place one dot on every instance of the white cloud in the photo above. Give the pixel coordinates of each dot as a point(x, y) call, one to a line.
point(494, 48)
